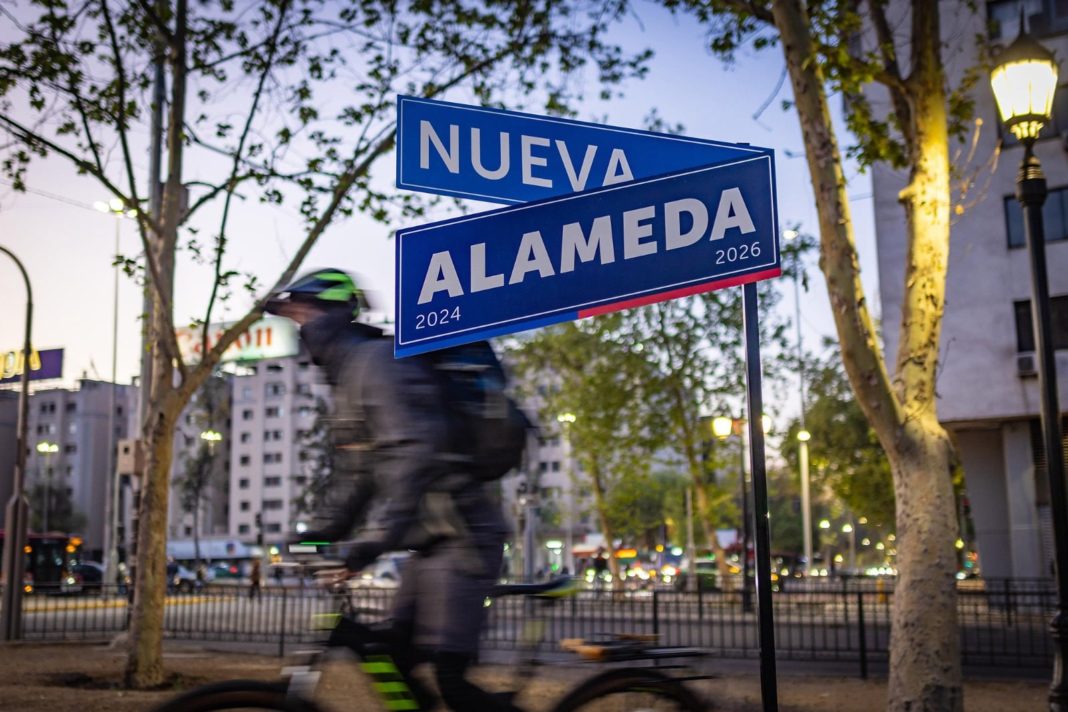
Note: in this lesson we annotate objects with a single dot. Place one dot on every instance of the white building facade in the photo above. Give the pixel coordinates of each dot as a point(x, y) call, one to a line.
point(274, 410)
point(988, 392)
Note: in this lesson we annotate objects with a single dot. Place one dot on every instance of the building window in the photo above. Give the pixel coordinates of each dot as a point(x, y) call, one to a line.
point(274, 411)
point(246, 414)
point(305, 410)
point(244, 460)
point(242, 529)
point(543, 467)
point(273, 528)
point(304, 389)
point(47, 408)
point(246, 437)
point(556, 465)
point(70, 448)
point(70, 407)
point(1025, 335)
point(242, 483)
point(269, 435)
point(299, 480)
point(303, 365)
point(274, 389)
point(246, 392)
point(270, 458)
point(272, 504)
point(1054, 217)
point(272, 481)
point(244, 506)
point(275, 368)
point(1043, 18)
point(72, 428)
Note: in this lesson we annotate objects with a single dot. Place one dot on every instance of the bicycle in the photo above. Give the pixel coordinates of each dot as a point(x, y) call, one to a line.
point(630, 689)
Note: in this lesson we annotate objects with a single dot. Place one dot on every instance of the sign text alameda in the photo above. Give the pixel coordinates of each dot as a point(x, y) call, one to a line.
point(586, 253)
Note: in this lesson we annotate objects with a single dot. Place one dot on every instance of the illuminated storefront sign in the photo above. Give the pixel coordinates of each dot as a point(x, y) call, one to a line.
point(43, 365)
point(270, 337)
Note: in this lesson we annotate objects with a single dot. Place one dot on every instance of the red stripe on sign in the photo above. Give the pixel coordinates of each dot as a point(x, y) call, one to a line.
point(677, 293)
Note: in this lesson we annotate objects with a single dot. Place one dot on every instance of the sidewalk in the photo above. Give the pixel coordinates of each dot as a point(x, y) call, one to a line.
point(85, 677)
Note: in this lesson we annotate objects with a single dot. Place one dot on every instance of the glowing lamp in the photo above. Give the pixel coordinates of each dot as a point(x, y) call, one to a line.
point(1024, 81)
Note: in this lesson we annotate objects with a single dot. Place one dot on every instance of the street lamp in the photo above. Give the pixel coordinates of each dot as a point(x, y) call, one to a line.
point(1024, 80)
point(566, 420)
point(722, 427)
point(211, 437)
point(118, 209)
point(16, 513)
point(47, 449)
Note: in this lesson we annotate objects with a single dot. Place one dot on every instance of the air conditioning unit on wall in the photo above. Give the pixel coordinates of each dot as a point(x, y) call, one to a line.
point(1026, 365)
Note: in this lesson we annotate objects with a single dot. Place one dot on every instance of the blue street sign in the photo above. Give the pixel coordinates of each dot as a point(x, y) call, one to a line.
point(583, 254)
point(511, 157)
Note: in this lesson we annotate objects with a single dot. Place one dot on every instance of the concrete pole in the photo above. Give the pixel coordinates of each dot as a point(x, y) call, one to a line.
point(691, 549)
point(16, 517)
point(806, 508)
point(112, 489)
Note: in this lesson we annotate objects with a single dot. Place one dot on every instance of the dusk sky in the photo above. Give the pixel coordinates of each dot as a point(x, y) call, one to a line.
point(67, 246)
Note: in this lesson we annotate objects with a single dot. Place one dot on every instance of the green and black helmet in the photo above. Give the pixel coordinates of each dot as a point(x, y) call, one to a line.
point(327, 288)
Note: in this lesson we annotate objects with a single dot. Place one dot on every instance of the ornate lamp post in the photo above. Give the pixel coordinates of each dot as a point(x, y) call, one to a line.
point(1024, 81)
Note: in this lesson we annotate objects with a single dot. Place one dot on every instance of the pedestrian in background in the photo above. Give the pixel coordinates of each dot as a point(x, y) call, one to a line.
point(255, 576)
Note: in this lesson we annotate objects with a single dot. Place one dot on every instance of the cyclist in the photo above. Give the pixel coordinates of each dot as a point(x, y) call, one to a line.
point(393, 482)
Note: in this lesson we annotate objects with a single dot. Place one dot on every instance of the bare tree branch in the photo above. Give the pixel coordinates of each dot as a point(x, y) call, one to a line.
point(156, 20)
point(220, 245)
point(890, 76)
point(758, 10)
point(170, 343)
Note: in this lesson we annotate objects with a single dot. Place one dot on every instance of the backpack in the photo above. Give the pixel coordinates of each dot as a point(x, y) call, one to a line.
point(488, 431)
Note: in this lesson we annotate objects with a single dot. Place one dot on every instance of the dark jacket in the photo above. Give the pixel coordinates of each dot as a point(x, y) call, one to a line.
point(392, 480)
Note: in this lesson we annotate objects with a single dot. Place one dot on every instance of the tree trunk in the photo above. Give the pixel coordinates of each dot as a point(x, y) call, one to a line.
point(144, 664)
point(925, 672)
point(196, 533)
point(925, 669)
point(606, 528)
point(703, 507)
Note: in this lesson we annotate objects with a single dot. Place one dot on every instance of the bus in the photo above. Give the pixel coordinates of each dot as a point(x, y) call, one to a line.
point(50, 558)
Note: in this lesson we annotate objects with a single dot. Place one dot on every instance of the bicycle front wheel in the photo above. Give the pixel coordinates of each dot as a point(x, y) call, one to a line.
point(239, 695)
point(631, 690)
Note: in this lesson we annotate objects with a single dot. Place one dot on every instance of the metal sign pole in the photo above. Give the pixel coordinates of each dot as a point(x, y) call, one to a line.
point(754, 397)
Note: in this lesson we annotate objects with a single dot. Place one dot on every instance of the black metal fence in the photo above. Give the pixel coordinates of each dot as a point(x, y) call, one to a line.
point(1002, 623)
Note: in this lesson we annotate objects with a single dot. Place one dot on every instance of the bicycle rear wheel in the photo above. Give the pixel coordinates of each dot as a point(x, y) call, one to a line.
point(239, 695)
point(631, 690)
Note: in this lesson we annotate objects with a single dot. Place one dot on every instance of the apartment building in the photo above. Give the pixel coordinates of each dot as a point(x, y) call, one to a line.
point(987, 385)
point(200, 467)
point(72, 436)
point(274, 409)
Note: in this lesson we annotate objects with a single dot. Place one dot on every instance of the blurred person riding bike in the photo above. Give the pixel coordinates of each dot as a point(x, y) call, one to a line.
point(395, 484)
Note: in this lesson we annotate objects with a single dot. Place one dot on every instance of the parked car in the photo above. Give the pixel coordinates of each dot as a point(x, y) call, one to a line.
point(220, 572)
point(383, 573)
point(89, 575)
point(707, 576)
point(180, 579)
